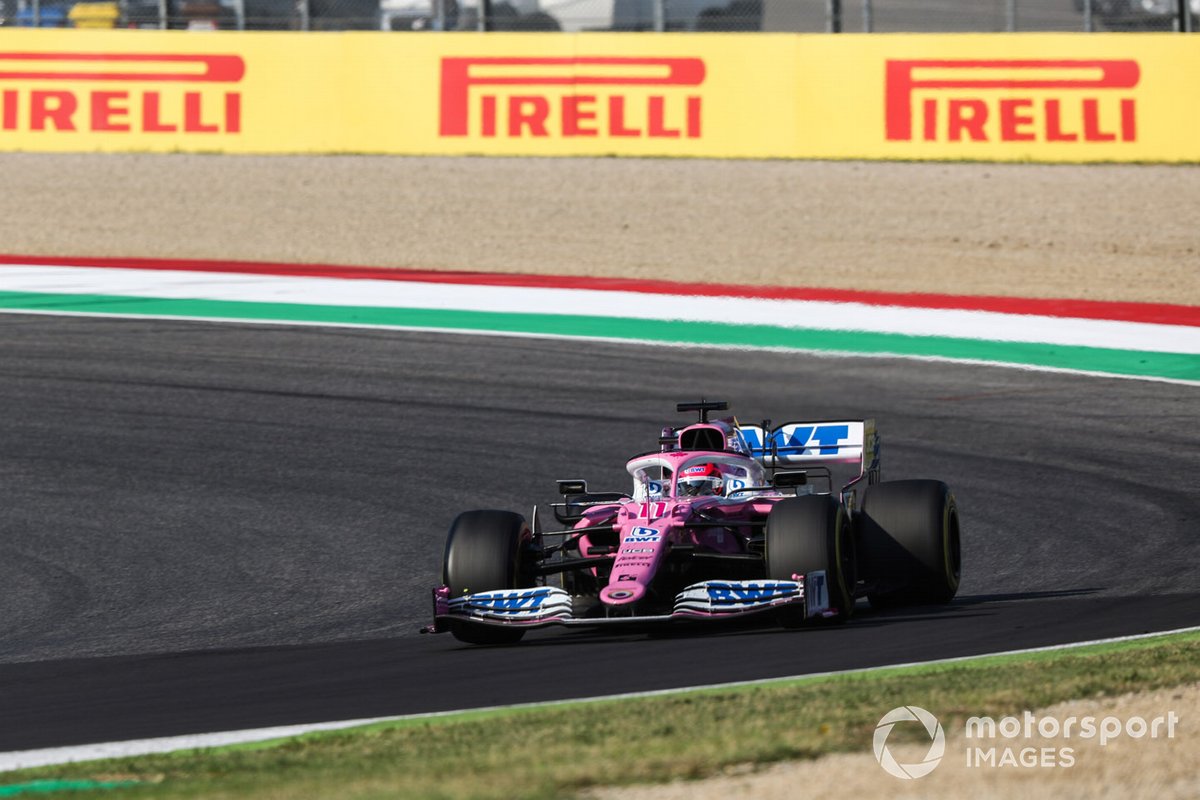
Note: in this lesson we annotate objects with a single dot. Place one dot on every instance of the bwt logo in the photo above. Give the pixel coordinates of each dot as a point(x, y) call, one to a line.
point(46, 92)
point(514, 97)
point(799, 440)
point(749, 592)
point(512, 601)
point(1064, 101)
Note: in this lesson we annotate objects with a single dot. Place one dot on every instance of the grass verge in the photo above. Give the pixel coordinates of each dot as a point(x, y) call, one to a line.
point(550, 752)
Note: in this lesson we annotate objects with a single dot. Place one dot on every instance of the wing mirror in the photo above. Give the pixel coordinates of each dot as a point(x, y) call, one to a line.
point(572, 487)
point(789, 480)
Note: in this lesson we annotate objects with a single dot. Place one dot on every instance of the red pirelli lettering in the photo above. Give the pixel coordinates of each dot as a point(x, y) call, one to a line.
point(49, 106)
point(193, 113)
point(1039, 100)
point(616, 118)
point(110, 111)
point(233, 113)
point(475, 90)
point(8, 110)
point(150, 104)
point(152, 115)
point(1016, 120)
point(1054, 127)
point(966, 119)
point(579, 111)
point(528, 113)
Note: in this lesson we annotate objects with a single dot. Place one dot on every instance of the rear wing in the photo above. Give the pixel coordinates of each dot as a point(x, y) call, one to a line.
point(822, 443)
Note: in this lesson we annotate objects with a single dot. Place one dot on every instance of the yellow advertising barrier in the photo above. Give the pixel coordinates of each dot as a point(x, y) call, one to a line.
point(1040, 97)
point(1037, 97)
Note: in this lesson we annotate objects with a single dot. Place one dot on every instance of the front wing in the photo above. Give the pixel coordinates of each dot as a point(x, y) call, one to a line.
point(540, 606)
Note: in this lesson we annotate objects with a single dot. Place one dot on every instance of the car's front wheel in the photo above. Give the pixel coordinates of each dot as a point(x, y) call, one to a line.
point(809, 534)
point(483, 553)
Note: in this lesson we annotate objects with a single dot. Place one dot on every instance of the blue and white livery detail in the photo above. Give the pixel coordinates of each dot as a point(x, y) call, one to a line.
point(808, 442)
point(723, 597)
point(537, 604)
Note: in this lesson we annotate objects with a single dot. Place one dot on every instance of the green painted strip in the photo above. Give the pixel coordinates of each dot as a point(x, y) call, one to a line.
point(1091, 359)
point(49, 786)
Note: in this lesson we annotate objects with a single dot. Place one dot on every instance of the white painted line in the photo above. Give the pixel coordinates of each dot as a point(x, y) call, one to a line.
point(797, 314)
point(616, 340)
point(24, 759)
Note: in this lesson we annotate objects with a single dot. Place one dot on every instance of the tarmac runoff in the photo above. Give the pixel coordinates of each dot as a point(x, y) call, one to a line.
point(1145, 341)
point(233, 292)
point(28, 759)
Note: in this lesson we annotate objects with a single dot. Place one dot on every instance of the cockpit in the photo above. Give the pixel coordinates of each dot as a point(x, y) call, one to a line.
point(657, 476)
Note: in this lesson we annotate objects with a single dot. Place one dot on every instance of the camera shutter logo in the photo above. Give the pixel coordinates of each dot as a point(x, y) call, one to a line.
point(933, 757)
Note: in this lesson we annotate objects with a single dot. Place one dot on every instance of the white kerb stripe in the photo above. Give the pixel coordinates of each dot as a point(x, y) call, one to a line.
point(796, 314)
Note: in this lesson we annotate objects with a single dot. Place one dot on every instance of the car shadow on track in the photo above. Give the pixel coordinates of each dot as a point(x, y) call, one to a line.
point(865, 616)
point(975, 599)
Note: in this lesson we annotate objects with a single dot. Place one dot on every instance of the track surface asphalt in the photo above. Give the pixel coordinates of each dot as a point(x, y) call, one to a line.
point(211, 527)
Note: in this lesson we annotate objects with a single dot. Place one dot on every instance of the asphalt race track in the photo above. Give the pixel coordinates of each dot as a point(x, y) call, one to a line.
point(219, 526)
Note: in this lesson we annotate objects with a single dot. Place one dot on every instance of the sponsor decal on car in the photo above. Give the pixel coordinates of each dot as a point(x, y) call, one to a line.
point(639, 535)
point(651, 511)
point(798, 441)
point(816, 593)
point(721, 597)
point(534, 604)
point(571, 97)
point(956, 100)
point(750, 592)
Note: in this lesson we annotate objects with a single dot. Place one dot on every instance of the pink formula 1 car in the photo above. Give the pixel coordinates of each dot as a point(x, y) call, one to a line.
point(724, 520)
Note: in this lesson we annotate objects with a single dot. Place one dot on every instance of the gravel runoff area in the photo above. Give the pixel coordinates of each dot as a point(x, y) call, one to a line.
point(1125, 767)
point(1111, 232)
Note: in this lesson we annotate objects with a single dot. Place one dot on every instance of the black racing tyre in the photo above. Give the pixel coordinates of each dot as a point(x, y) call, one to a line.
point(483, 553)
point(809, 533)
point(909, 543)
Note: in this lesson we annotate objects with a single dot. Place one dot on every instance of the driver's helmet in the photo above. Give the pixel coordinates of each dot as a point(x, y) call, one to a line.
point(700, 480)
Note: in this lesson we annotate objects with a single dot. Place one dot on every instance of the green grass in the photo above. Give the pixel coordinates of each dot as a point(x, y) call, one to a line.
point(550, 752)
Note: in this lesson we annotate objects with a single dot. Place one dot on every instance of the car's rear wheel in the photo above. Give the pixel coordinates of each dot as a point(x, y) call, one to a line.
point(483, 553)
point(809, 534)
point(909, 541)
